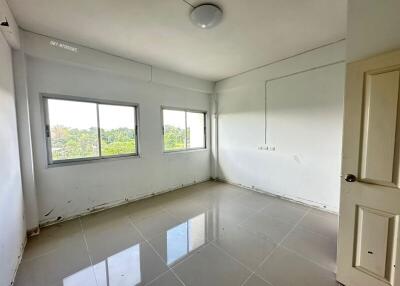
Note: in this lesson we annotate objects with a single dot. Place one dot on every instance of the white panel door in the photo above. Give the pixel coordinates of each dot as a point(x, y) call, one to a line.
point(370, 196)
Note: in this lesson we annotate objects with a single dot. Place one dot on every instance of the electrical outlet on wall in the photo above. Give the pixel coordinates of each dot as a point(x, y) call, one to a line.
point(266, 148)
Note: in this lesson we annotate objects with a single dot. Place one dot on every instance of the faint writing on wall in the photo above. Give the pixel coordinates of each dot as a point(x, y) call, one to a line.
point(63, 46)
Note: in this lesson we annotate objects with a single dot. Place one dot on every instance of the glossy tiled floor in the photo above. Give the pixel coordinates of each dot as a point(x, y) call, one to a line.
point(208, 234)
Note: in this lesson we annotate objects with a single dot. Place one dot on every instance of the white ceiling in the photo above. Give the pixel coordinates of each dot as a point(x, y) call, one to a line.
point(159, 32)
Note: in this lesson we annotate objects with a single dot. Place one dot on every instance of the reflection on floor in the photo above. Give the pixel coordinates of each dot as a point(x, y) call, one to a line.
point(207, 234)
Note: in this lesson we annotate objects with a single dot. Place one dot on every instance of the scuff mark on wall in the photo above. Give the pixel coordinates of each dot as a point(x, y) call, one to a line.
point(106, 206)
point(47, 214)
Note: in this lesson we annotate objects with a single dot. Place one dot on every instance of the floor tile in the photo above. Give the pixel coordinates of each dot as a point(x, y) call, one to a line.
point(321, 222)
point(285, 211)
point(313, 246)
point(231, 214)
point(254, 280)
point(210, 234)
point(135, 265)
point(184, 210)
point(184, 239)
point(82, 277)
point(207, 185)
point(155, 224)
point(52, 237)
point(269, 226)
point(226, 191)
point(247, 247)
point(211, 267)
point(68, 261)
point(108, 236)
point(255, 200)
point(143, 208)
point(167, 279)
point(285, 268)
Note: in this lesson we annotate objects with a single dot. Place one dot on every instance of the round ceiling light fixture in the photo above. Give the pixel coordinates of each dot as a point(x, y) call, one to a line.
point(206, 16)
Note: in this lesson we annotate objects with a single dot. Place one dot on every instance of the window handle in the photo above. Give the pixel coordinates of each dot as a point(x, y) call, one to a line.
point(47, 131)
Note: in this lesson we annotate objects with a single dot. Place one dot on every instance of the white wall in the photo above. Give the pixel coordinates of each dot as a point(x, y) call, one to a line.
point(67, 191)
point(304, 123)
point(12, 223)
point(25, 143)
point(373, 27)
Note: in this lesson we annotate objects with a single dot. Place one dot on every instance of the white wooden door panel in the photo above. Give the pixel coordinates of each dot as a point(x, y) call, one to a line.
point(357, 267)
point(379, 128)
point(370, 196)
point(374, 236)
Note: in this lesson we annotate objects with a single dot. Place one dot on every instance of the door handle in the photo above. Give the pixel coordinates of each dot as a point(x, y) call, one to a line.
point(350, 178)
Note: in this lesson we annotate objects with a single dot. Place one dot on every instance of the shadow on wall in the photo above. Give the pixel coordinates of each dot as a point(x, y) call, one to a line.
point(302, 129)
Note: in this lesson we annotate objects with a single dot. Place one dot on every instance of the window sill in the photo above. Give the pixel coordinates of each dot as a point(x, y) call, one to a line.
point(91, 160)
point(185, 151)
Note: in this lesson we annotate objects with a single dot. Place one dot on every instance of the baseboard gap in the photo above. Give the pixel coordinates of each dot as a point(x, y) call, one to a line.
point(119, 203)
point(268, 193)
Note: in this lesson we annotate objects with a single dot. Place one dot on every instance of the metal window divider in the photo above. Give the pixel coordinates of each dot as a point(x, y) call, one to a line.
point(98, 129)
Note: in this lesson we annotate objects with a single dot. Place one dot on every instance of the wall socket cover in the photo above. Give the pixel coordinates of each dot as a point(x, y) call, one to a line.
point(266, 148)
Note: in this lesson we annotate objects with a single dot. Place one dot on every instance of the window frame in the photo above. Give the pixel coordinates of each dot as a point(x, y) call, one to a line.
point(186, 110)
point(44, 97)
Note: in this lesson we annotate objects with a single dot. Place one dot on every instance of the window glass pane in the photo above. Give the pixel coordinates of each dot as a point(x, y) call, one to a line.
point(174, 130)
point(117, 129)
point(73, 129)
point(195, 127)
